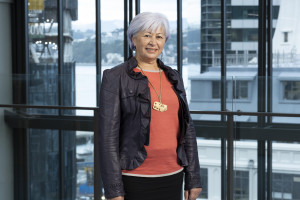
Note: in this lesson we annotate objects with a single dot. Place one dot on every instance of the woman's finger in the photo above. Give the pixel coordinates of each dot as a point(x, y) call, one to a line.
point(186, 194)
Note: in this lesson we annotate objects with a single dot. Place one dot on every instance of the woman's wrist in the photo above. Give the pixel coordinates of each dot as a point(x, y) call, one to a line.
point(117, 198)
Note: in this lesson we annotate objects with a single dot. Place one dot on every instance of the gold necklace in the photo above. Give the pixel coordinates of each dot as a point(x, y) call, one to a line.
point(158, 106)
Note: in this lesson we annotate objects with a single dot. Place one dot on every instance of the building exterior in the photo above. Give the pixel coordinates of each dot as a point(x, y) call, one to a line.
point(285, 171)
point(242, 31)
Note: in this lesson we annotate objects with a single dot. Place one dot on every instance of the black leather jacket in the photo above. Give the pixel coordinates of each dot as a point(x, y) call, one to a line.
point(124, 123)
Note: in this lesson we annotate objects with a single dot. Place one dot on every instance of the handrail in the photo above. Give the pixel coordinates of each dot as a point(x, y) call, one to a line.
point(192, 111)
point(47, 107)
point(246, 113)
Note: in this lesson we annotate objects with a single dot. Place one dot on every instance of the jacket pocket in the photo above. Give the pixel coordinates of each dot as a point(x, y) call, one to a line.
point(129, 102)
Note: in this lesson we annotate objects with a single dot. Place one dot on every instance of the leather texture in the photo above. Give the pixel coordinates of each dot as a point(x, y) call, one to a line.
point(124, 126)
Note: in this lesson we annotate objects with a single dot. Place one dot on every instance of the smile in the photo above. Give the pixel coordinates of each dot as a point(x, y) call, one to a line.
point(151, 50)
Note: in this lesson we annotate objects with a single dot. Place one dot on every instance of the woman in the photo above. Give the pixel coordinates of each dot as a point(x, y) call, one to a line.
point(147, 138)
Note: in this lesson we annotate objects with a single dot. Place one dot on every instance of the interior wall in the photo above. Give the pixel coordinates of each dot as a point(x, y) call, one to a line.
point(6, 143)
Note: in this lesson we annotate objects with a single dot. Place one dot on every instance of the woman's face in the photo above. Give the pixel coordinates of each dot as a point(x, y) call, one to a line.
point(149, 44)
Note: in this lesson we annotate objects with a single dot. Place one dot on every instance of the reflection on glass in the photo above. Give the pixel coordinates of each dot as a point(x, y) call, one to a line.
point(43, 53)
point(112, 33)
point(46, 85)
point(286, 173)
point(45, 166)
point(169, 56)
point(85, 164)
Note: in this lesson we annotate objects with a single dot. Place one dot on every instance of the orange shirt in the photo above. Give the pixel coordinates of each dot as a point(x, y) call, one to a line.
point(164, 129)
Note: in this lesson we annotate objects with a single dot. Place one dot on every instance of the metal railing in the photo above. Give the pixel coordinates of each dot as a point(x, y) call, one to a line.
point(227, 145)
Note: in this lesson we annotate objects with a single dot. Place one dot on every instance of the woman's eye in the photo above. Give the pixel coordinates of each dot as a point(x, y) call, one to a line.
point(147, 35)
point(159, 37)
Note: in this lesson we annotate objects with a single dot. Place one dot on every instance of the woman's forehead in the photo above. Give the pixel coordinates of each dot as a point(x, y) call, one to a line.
point(159, 30)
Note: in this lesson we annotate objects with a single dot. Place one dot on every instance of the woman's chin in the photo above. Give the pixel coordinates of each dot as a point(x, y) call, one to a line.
point(151, 57)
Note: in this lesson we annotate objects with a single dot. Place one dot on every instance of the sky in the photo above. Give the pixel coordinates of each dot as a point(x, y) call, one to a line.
point(113, 10)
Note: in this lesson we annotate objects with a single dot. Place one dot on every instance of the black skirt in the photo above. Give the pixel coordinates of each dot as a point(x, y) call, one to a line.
point(157, 188)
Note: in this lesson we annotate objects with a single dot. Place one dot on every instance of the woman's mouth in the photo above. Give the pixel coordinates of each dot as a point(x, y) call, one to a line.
point(151, 50)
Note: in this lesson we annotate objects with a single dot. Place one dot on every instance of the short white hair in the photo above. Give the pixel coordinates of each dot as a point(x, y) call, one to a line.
point(145, 21)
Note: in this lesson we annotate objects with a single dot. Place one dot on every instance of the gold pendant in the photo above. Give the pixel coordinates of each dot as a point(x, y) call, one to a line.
point(159, 106)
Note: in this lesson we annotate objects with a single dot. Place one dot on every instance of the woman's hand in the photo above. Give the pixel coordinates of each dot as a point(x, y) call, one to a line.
point(192, 194)
point(118, 198)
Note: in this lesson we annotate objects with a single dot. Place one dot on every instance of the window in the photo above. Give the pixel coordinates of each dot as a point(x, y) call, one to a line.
point(291, 90)
point(285, 186)
point(244, 35)
point(216, 90)
point(285, 37)
point(240, 90)
point(244, 12)
point(241, 188)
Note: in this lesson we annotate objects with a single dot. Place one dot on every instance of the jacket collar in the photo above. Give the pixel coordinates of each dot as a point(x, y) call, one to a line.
point(171, 74)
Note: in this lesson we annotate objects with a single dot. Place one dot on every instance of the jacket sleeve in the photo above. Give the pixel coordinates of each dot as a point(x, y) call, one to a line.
point(109, 126)
point(192, 171)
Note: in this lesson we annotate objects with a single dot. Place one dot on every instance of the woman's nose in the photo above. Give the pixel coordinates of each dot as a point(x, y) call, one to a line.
point(152, 40)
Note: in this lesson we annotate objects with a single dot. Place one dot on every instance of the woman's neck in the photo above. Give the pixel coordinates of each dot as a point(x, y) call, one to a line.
point(147, 64)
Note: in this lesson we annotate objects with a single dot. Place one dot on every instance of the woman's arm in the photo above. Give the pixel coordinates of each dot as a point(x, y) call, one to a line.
point(109, 127)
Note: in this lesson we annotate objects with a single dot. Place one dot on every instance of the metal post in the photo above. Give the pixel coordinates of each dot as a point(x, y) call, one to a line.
point(261, 169)
point(270, 59)
point(223, 56)
point(261, 99)
point(230, 175)
point(137, 7)
point(60, 19)
point(97, 177)
point(130, 18)
point(125, 29)
point(179, 36)
point(269, 170)
point(223, 169)
point(98, 49)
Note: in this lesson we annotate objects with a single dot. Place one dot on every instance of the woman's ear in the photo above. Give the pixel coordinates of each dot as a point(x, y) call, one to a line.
point(133, 40)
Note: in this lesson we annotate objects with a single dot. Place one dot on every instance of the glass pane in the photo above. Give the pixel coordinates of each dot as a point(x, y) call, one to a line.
point(85, 164)
point(81, 52)
point(286, 54)
point(170, 49)
point(210, 163)
point(44, 164)
point(43, 52)
point(60, 159)
point(286, 173)
point(112, 33)
point(286, 94)
point(242, 48)
point(245, 169)
point(202, 44)
point(191, 12)
point(85, 89)
point(243, 92)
